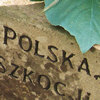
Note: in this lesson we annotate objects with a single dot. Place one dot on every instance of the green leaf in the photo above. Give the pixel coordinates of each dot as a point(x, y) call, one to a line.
point(80, 17)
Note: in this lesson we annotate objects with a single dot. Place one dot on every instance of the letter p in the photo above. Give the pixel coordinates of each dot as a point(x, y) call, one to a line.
point(8, 30)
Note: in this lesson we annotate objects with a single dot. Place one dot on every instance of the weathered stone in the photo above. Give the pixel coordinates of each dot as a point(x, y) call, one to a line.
point(39, 61)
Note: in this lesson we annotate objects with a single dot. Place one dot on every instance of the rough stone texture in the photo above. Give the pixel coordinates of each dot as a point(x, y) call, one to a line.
point(30, 21)
point(15, 2)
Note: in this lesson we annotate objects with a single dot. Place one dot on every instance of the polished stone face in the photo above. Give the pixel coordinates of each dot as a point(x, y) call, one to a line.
point(39, 61)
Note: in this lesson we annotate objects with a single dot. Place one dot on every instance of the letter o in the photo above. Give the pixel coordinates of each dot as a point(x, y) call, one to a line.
point(39, 80)
point(21, 44)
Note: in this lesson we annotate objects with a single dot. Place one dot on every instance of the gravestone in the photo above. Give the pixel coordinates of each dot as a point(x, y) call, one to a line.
point(39, 61)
